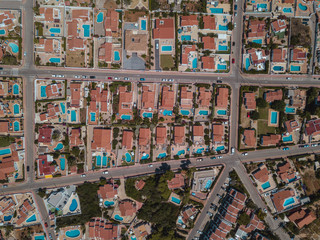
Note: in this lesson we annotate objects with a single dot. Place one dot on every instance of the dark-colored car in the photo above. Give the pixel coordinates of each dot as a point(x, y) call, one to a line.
point(46, 224)
point(233, 60)
point(28, 168)
point(92, 77)
point(219, 81)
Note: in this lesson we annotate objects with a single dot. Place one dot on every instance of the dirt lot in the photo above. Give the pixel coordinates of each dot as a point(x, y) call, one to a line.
point(110, 4)
point(75, 59)
point(311, 182)
point(133, 16)
point(191, 6)
point(245, 121)
point(300, 33)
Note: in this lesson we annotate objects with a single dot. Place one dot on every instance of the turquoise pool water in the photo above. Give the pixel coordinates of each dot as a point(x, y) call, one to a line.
point(162, 155)
point(33, 218)
point(223, 27)
point(259, 41)
point(288, 201)
point(14, 47)
point(166, 48)
point(220, 148)
point(100, 17)
point(63, 108)
point(86, 29)
point(62, 164)
point(147, 115)
point(302, 7)
point(125, 117)
point(185, 112)
point(290, 110)
point(262, 6)
point(203, 112)
point(2, 31)
point(5, 151)
point(7, 218)
point(16, 109)
point(194, 63)
point(200, 150)
point(274, 118)
point(287, 10)
point(222, 112)
point(43, 93)
point(73, 233)
point(145, 157)
point(175, 200)
point(287, 138)
point(143, 25)
point(292, 179)
point(265, 185)
point(109, 203)
point(74, 205)
point(58, 147)
point(181, 152)
point(104, 161)
point(277, 68)
point(295, 68)
point(55, 30)
point(55, 60)
point(222, 48)
point(39, 238)
point(186, 38)
point(16, 126)
point(208, 184)
point(167, 113)
point(92, 116)
point(118, 218)
point(98, 160)
point(247, 63)
point(116, 55)
point(128, 157)
point(15, 89)
point(133, 238)
point(216, 10)
point(222, 67)
point(73, 116)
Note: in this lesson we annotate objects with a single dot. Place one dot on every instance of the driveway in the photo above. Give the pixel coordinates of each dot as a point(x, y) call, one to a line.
point(156, 55)
point(134, 63)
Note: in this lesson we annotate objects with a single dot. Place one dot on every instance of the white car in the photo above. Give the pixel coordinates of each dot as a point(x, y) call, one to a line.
point(105, 172)
point(232, 150)
point(219, 157)
point(77, 76)
point(150, 165)
point(116, 78)
point(314, 145)
point(157, 46)
point(164, 79)
point(265, 210)
point(244, 154)
point(199, 160)
point(53, 75)
point(84, 76)
point(170, 80)
point(83, 175)
point(126, 78)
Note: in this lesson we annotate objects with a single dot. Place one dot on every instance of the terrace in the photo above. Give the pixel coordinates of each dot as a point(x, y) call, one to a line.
point(263, 179)
point(258, 6)
point(284, 7)
point(298, 60)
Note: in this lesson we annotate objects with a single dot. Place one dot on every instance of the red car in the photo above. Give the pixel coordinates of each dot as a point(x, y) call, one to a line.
point(110, 78)
point(46, 224)
point(233, 60)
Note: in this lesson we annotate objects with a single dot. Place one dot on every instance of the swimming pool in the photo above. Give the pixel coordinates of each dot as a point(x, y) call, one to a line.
point(128, 157)
point(220, 148)
point(287, 10)
point(43, 92)
point(195, 63)
point(288, 201)
point(186, 38)
point(143, 25)
point(274, 117)
point(33, 218)
point(63, 108)
point(133, 238)
point(14, 47)
point(167, 113)
point(265, 185)
point(208, 184)
point(109, 203)
point(118, 218)
point(247, 63)
point(259, 41)
point(222, 48)
point(199, 150)
point(175, 200)
point(277, 68)
point(7, 218)
point(55, 60)
point(287, 138)
point(98, 162)
point(295, 68)
point(125, 117)
point(62, 164)
point(203, 112)
point(2, 31)
point(166, 48)
point(216, 10)
point(39, 238)
point(73, 116)
point(104, 161)
point(16, 109)
point(5, 151)
point(302, 7)
point(262, 6)
point(92, 116)
point(15, 89)
point(55, 30)
point(290, 110)
point(74, 205)
point(86, 30)
point(100, 17)
point(223, 27)
point(116, 56)
point(221, 67)
point(73, 233)
point(16, 126)
point(145, 157)
point(185, 112)
point(181, 152)
point(222, 112)
point(58, 147)
point(162, 155)
point(147, 115)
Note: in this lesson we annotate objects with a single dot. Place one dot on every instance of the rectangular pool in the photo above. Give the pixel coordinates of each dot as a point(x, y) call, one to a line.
point(166, 48)
point(175, 200)
point(290, 110)
point(143, 25)
point(223, 27)
point(259, 41)
point(73, 116)
point(216, 10)
point(274, 118)
point(5, 151)
point(287, 138)
point(186, 38)
point(222, 67)
point(288, 201)
point(86, 29)
point(247, 63)
point(295, 68)
point(265, 185)
point(43, 93)
point(223, 48)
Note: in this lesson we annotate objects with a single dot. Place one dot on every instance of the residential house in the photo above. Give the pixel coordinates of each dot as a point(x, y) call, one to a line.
point(198, 134)
point(302, 217)
point(142, 231)
point(127, 139)
point(204, 97)
point(186, 98)
point(249, 100)
point(144, 136)
point(292, 125)
point(161, 135)
point(107, 191)
point(188, 20)
point(279, 26)
point(75, 137)
point(312, 128)
point(249, 138)
point(287, 172)
point(209, 22)
point(139, 185)
point(163, 29)
point(218, 133)
point(208, 63)
point(279, 199)
point(179, 134)
point(176, 182)
point(167, 100)
point(100, 229)
point(148, 98)
point(271, 96)
point(125, 101)
point(272, 139)
point(222, 98)
point(101, 139)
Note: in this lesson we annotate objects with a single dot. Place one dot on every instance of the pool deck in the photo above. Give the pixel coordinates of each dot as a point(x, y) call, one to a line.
point(269, 118)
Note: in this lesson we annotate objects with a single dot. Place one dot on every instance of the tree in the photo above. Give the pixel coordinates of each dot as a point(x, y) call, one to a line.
point(243, 219)
point(255, 115)
point(230, 26)
point(278, 105)
point(261, 103)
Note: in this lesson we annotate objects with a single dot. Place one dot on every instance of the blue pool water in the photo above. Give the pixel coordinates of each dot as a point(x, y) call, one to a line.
point(73, 233)
point(16, 109)
point(55, 60)
point(62, 164)
point(200, 150)
point(259, 41)
point(143, 24)
point(222, 112)
point(262, 6)
point(74, 205)
point(166, 48)
point(100, 17)
point(118, 218)
point(109, 203)
point(15, 89)
point(186, 38)
point(216, 10)
point(86, 29)
point(265, 185)
point(278, 68)
point(167, 113)
point(58, 147)
point(287, 10)
point(147, 115)
point(302, 7)
point(287, 138)
point(125, 117)
point(247, 63)
point(185, 112)
point(223, 27)
point(195, 63)
point(222, 67)
point(14, 47)
point(98, 160)
point(7, 218)
point(39, 238)
point(175, 200)
point(133, 238)
point(288, 201)
point(33, 218)
point(92, 116)
point(2, 31)
point(274, 118)
point(208, 184)
point(16, 126)
point(294, 68)
point(55, 30)
point(181, 152)
point(290, 110)
point(203, 112)
point(222, 48)
point(104, 161)
point(116, 55)
point(292, 179)
point(5, 151)
point(128, 157)
point(145, 157)
point(63, 108)
point(220, 148)
point(162, 155)
point(43, 92)
point(73, 116)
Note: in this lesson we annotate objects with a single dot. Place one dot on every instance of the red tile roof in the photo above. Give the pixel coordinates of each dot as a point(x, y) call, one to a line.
point(262, 174)
point(44, 166)
point(249, 138)
point(127, 208)
point(105, 53)
point(161, 135)
point(127, 138)
point(291, 125)
point(75, 89)
point(144, 136)
point(185, 53)
point(279, 198)
point(111, 20)
point(164, 29)
point(74, 43)
point(189, 20)
point(147, 97)
point(186, 98)
point(271, 96)
point(204, 97)
point(299, 55)
point(167, 101)
point(209, 22)
point(272, 139)
point(125, 101)
point(302, 217)
point(278, 25)
point(101, 139)
point(313, 127)
point(222, 98)
point(179, 134)
point(249, 99)
point(217, 132)
point(208, 43)
point(75, 137)
point(80, 14)
point(45, 135)
point(107, 191)
point(279, 55)
point(176, 182)
point(101, 229)
point(257, 29)
point(208, 63)
point(139, 184)
point(198, 131)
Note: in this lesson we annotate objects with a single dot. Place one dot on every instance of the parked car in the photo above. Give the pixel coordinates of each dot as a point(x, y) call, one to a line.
point(233, 61)
point(199, 160)
point(244, 154)
point(92, 77)
point(170, 80)
point(164, 80)
point(5, 186)
point(306, 146)
point(232, 150)
point(219, 157)
point(213, 158)
point(285, 149)
point(53, 75)
point(314, 145)
point(28, 168)
point(77, 76)
point(235, 7)
point(83, 175)
point(116, 78)
point(105, 172)
point(219, 81)
point(265, 210)
point(209, 214)
point(84, 76)
point(46, 224)
point(218, 195)
point(150, 165)
point(142, 79)
point(157, 46)
point(126, 78)
point(289, 78)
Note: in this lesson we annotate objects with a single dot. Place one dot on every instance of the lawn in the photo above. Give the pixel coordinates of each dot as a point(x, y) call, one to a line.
point(166, 62)
point(264, 129)
point(263, 113)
